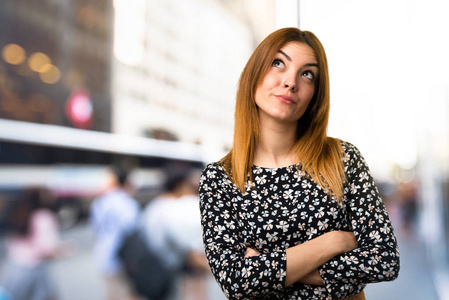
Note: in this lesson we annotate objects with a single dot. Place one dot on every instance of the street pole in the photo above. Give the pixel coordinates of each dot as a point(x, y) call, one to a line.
point(297, 11)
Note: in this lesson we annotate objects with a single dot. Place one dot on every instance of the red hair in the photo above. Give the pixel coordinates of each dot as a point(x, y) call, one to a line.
point(319, 155)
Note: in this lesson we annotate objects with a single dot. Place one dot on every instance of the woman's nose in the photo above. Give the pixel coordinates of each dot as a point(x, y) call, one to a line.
point(290, 84)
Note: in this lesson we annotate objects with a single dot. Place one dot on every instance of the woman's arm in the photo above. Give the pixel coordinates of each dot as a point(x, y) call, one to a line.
point(307, 257)
point(224, 237)
point(225, 244)
point(304, 259)
point(377, 256)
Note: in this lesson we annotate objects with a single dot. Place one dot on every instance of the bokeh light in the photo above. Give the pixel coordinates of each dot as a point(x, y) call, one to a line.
point(13, 54)
point(49, 74)
point(38, 62)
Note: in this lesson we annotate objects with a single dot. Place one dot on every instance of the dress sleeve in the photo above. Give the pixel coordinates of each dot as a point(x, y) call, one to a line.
point(377, 256)
point(225, 245)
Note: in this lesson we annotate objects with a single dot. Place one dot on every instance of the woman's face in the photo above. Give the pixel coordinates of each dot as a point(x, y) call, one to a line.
point(289, 85)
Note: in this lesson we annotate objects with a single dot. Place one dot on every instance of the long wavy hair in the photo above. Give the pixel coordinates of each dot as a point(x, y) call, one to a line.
point(319, 155)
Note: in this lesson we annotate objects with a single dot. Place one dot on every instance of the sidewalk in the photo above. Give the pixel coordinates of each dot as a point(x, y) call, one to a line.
point(415, 282)
point(77, 277)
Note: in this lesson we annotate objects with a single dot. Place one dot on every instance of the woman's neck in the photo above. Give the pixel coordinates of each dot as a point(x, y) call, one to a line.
point(275, 144)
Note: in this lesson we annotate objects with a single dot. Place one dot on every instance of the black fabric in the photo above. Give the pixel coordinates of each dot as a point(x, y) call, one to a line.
point(284, 207)
point(150, 277)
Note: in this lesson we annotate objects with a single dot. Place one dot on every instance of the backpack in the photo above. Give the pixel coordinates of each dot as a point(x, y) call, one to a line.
point(147, 272)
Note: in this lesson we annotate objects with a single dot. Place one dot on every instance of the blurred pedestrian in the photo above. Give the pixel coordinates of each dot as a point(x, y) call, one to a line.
point(33, 240)
point(289, 212)
point(408, 200)
point(112, 216)
point(173, 231)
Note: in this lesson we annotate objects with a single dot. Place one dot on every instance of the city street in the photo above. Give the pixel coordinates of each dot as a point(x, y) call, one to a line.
point(100, 98)
point(78, 279)
point(76, 276)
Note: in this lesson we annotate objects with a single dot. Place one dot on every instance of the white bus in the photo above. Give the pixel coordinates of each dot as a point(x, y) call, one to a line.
point(73, 163)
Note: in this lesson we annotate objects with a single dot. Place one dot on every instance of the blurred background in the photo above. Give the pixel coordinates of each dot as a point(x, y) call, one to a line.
point(89, 84)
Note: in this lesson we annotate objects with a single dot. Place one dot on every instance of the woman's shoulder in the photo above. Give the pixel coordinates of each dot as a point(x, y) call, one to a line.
point(214, 170)
point(349, 149)
point(217, 174)
point(352, 157)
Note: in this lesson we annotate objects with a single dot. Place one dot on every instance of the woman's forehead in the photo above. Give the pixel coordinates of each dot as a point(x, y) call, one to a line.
point(297, 49)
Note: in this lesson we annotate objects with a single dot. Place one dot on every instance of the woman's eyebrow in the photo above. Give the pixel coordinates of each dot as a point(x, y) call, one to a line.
point(285, 54)
point(289, 59)
point(312, 65)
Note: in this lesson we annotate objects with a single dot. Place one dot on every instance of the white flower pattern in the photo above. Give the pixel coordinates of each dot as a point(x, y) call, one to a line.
point(283, 208)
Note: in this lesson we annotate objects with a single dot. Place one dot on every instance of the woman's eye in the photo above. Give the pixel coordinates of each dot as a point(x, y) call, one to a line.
point(277, 63)
point(308, 75)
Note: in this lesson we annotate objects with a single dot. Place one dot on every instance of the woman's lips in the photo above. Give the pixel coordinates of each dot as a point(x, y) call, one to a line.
point(285, 99)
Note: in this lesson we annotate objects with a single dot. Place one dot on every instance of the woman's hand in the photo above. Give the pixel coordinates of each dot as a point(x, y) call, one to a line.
point(251, 252)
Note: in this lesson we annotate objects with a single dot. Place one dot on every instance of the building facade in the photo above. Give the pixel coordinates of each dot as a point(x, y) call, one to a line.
point(55, 64)
point(178, 73)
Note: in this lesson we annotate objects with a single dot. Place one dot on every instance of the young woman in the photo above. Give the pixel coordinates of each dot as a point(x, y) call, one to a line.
point(291, 213)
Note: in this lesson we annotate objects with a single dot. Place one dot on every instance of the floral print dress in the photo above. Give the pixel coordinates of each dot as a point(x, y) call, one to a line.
point(284, 207)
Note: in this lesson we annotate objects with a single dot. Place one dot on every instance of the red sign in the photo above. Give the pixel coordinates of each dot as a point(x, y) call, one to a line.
point(79, 109)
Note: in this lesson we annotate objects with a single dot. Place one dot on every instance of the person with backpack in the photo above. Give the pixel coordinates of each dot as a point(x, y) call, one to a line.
point(172, 229)
point(113, 216)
